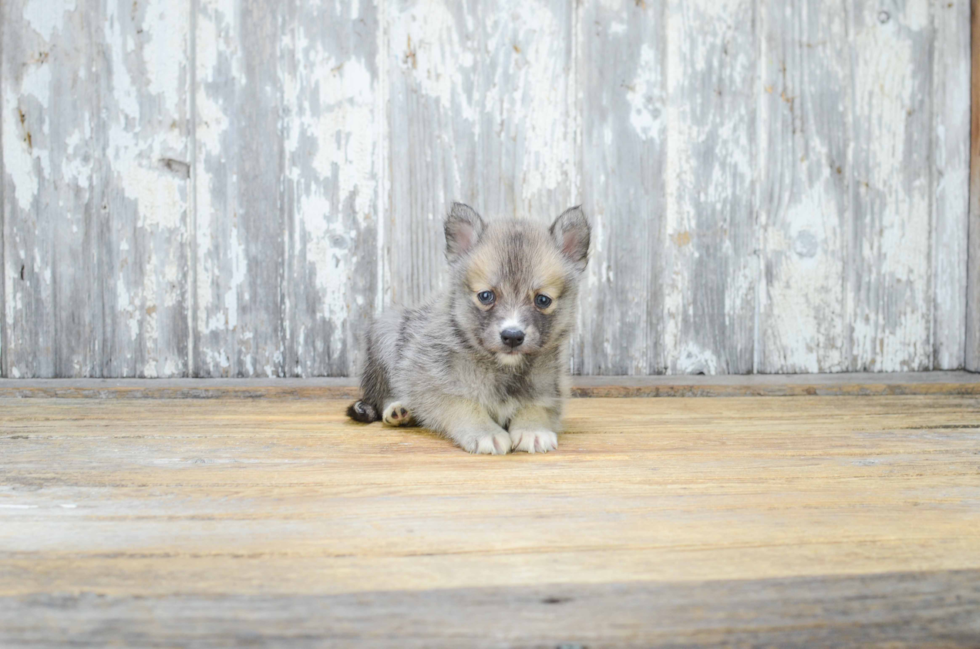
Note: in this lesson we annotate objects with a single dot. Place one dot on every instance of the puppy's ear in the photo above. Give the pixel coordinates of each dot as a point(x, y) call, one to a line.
point(463, 229)
point(571, 233)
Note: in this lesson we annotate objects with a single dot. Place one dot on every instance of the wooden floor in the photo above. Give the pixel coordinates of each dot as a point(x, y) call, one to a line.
point(790, 521)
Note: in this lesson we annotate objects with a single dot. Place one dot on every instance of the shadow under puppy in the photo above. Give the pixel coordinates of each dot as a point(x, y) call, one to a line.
point(484, 364)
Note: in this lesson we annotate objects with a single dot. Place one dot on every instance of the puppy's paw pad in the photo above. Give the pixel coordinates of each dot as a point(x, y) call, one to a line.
point(489, 444)
point(533, 441)
point(396, 414)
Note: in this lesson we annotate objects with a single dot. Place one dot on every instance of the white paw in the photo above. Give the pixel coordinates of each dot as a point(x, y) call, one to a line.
point(487, 443)
point(533, 441)
point(396, 414)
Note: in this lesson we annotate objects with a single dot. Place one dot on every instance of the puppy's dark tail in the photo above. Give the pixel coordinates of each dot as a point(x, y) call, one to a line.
point(363, 412)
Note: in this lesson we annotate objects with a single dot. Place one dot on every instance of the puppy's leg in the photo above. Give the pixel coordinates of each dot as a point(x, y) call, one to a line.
point(469, 425)
point(532, 430)
point(396, 414)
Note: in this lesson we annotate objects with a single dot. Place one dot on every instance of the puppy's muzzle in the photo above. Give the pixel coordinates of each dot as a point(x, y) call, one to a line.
point(513, 338)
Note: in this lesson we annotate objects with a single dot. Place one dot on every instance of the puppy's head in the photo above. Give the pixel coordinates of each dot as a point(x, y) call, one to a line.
point(515, 283)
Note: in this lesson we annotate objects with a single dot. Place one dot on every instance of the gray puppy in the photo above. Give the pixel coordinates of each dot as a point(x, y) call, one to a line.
point(484, 364)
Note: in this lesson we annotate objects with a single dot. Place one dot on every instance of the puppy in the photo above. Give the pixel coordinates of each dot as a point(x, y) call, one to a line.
point(484, 364)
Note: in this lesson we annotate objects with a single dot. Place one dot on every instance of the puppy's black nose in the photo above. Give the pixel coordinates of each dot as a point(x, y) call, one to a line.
point(512, 337)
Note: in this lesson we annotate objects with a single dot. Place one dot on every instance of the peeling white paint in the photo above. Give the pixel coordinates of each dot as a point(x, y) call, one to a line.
point(166, 24)
point(645, 96)
point(424, 40)
point(47, 16)
point(21, 148)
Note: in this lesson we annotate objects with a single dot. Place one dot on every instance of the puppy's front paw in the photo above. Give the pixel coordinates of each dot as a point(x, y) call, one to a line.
point(486, 443)
point(396, 414)
point(533, 441)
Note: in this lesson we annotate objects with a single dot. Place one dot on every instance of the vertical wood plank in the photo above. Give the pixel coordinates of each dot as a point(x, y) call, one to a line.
point(711, 268)
point(53, 197)
point(621, 86)
point(239, 241)
point(889, 285)
point(3, 221)
point(145, 106)
point(528, 159)
point(803, 209)
point(950, 183)
point(333, 118)
point(95, 105)
point(973, 254)
point(434, 59)
point(481, 109)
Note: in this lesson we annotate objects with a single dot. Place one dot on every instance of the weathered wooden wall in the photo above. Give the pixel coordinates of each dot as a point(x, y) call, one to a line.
point(232, 187)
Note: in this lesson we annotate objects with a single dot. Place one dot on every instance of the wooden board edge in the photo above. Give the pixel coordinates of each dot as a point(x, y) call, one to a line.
point(849, 384)
point(778, 390)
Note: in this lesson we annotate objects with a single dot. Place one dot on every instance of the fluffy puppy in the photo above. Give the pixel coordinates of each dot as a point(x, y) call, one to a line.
point(485, 363)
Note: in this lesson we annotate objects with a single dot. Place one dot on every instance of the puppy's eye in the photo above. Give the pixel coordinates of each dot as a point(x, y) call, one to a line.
point(486, 297)
point(542, 301)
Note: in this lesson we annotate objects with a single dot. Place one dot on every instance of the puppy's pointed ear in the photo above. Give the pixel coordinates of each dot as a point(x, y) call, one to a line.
point(571, 233)
point(463, 229)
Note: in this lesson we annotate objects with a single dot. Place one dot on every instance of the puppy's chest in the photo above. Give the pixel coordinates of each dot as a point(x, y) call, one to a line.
point(503, 411)
point(505, 395)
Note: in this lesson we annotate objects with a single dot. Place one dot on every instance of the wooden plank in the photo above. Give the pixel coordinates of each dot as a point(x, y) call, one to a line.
point(198, 511)
point(622, 88)
point(973, 262)
point(145, 105)
point(804, 206)
point(782, 385)
point(857, 384)
point(53, 195)
point(239, 162)
point(904, 609)
point(889, 286)
point(3, 226)
point(434, 117)
point(481, 110)
point(95, 140)
point(334, 201)
point(950, 180)
point(711, 269)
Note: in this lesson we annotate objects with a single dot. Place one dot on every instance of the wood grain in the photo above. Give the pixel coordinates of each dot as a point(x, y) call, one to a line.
point(433, 124)
point(908, 609)
point(973, 264)
point(44, 203)
point(239, 162)
point(3, 224)
point(121, 516)
point(804, 208)
point(335, 155)
point(95, 199)
point(482, 111)
point(915, 610)
point(950, 178)
point(711, 267)
point(622, 88)
point(890, 253)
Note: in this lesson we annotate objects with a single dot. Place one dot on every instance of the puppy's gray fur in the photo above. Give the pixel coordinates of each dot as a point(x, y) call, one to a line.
point(444, 364)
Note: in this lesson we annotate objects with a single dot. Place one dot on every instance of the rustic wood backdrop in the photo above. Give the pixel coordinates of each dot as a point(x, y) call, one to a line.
point(232, 187)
